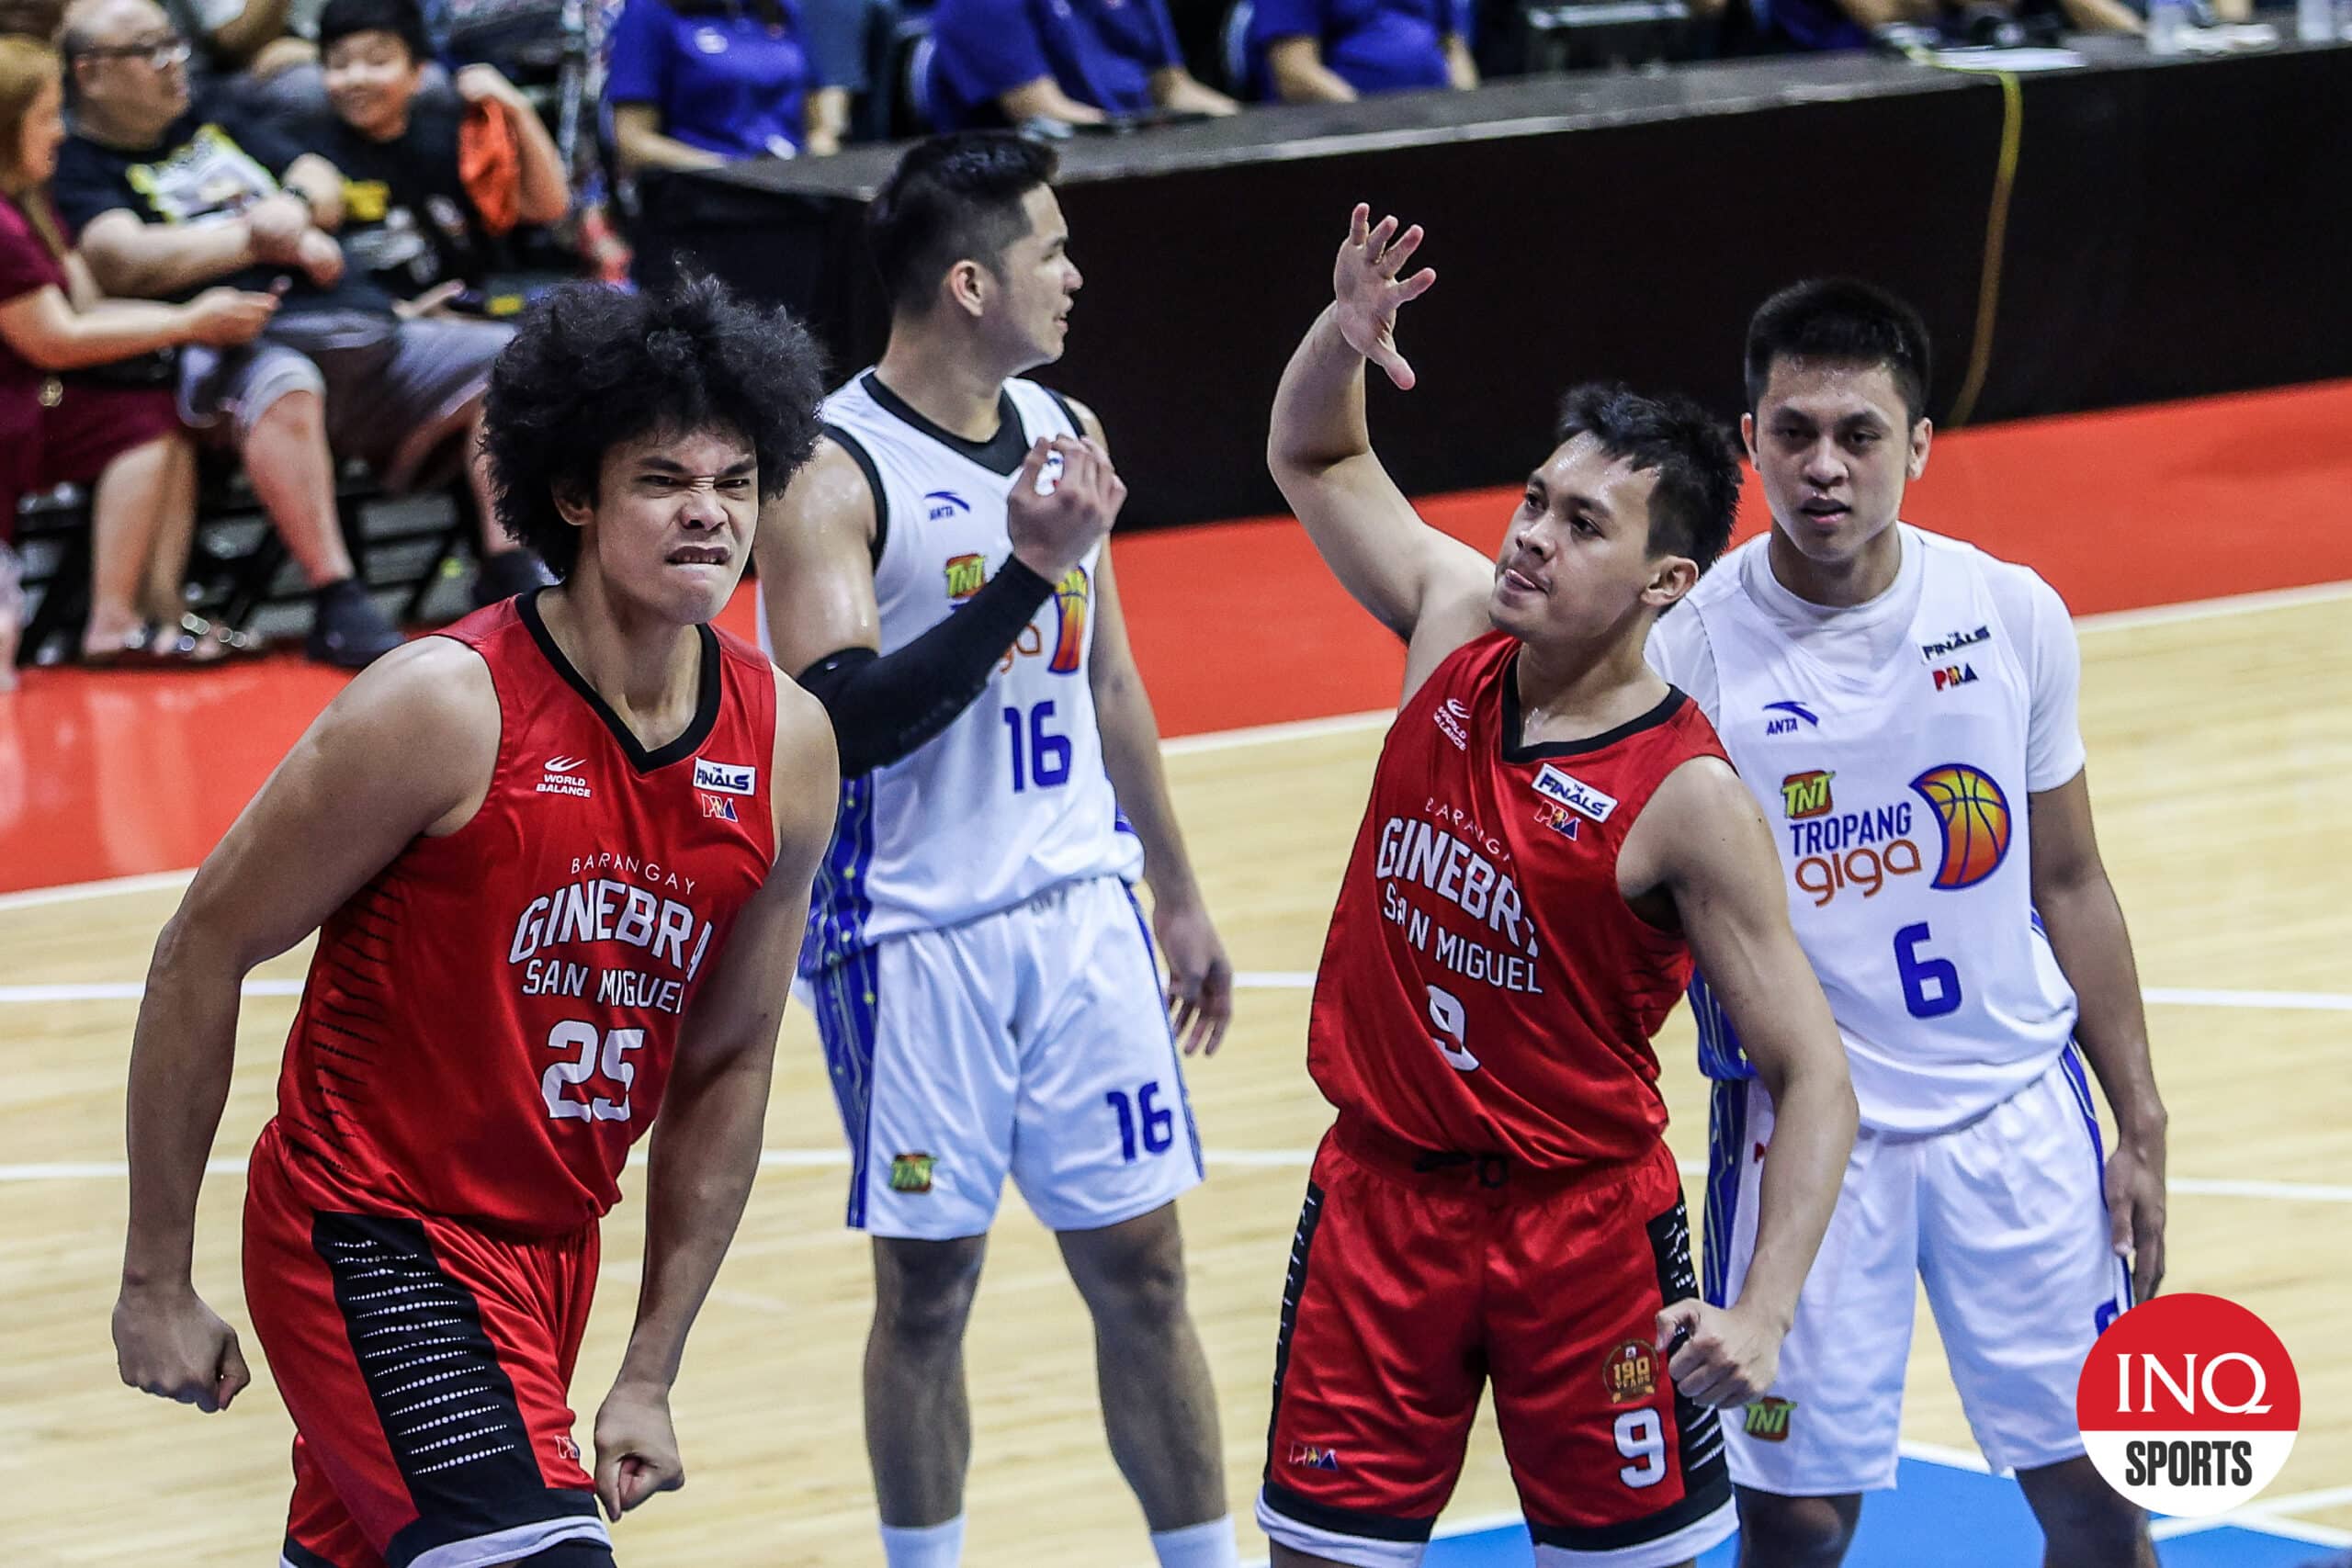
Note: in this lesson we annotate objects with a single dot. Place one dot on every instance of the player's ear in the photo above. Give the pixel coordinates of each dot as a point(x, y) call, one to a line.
point(1923, 433)
point(966, 287)
point(573, 506)
point(1748, 436)
point(1671, 577)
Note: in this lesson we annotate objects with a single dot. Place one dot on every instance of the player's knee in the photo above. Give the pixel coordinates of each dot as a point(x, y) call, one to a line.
point(922, 1290)
point(2084, 1519)
point(1795, 1533)
point(1138, 1284)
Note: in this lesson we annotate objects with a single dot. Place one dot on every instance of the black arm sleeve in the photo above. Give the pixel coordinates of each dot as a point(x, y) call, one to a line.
point(884, 707)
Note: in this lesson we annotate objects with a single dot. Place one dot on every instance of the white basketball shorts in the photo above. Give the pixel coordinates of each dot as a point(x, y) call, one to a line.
point(2004, 1220)
point(1031, 1041)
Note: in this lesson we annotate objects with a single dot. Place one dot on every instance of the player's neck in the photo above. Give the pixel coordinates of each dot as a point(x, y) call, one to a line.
point(1572, 693)
point(948, 383)
point(1837, 585)
point(649, 670)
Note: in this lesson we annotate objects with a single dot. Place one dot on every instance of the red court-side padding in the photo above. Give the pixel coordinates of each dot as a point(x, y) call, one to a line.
point(1238, 624)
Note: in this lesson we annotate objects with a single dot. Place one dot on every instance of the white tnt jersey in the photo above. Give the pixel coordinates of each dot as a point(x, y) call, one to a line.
point(1011, 798)
point(1893, 746)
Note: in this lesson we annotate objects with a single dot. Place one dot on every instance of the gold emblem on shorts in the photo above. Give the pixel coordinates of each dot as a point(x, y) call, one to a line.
point(1631, 1372)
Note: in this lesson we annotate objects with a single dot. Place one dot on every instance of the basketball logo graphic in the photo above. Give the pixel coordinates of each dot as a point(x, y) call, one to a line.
point(1974, 815)
point(2189, 1404)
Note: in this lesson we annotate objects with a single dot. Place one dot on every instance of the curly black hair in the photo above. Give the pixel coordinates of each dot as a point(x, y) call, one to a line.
point(1696, 492)
point(592, 368)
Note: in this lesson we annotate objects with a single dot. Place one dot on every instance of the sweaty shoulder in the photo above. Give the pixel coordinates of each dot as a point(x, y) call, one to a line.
point(429, 713)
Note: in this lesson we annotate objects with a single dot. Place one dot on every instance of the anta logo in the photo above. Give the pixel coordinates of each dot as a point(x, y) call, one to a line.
point(1788, 716)
point(1951, 675)
point(565, 1449)
point(560, 776)
point(1569, 790)
point(911, 1173)
point(1454, 721)
point(1807, 794)
point(1314, 1456)
point(727, 778)
point(1065, 650)
point(945, 503)
point(1768, 1419)
point(1953, 642)
point(717, 806)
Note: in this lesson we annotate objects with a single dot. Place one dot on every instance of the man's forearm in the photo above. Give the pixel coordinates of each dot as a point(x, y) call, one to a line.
point(1813, 1134)
point(705, 1155)
point(163, 260)
point(181, 1058)
point(1319, 415)
point(2085, 921)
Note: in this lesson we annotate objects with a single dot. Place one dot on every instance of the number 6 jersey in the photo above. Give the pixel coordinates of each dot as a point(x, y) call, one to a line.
point(1893, 746)
point(489, 1024)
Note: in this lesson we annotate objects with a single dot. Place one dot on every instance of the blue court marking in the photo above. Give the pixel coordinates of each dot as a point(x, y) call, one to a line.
point(1939, 1516)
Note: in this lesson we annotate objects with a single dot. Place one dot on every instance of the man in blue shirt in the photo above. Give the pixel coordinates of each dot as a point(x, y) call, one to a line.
point(1082, 61)
point(1305, 51)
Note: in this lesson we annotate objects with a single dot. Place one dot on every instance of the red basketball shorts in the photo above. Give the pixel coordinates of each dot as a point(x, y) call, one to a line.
point(1416, 1279)
point(426, 1366)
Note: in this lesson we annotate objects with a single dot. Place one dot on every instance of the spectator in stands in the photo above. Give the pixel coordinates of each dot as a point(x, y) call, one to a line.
point(168, 198)
point(80, 400)
point(1078, 61)
point(413, 222)
point(233, 37)
point(1332, 51)
point(695, 84)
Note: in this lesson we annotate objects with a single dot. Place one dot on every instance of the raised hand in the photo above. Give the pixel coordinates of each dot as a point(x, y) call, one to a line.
point(1057, 514)
point(1366, 291)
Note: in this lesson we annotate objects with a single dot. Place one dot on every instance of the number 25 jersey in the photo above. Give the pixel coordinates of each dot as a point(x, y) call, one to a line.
point(490, 1023)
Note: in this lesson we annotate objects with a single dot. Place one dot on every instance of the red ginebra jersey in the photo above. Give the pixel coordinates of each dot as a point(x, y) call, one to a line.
point(490, 1023)
point(1485, 988)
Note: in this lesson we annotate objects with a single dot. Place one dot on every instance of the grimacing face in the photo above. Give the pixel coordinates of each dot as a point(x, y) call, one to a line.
point(672, 521)
point(1576, 560)
point(1834, 447)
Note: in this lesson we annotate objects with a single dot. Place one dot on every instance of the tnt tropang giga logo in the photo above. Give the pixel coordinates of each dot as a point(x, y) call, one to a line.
point(2189, 1404)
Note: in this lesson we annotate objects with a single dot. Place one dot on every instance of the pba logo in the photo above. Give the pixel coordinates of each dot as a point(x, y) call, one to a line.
point(911, 1173)
point(1556, 817)
point(2189, 1405)
point(945, 503)
point(1951, 675)
point(1314, 1456)
point(1974, 815)
point(1768, 1419)
point(1807, 794)
point(717, 806)
point(1631, 1372)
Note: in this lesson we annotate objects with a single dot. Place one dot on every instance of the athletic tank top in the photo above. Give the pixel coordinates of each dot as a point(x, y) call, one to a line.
point(489, 1024)
point(1899, 798)
point(1485, 988)
point(1011, 798)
